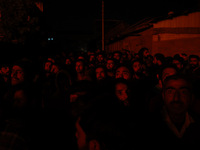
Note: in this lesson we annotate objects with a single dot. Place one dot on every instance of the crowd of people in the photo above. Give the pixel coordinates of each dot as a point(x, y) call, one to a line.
point(100, 101)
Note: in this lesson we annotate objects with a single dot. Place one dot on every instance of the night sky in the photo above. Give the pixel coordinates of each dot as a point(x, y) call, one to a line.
point(81, 20)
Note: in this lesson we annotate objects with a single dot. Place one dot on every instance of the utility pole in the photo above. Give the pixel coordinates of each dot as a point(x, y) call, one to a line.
point(102, 25)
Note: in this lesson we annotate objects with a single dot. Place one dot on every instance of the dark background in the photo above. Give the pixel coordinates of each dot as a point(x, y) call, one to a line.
point(77, 24)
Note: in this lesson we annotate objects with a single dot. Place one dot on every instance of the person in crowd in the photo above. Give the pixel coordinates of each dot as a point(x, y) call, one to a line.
point(179, 62)
point(81, 70)
point(193, 67)
point(68, 61)
point(47, 66)
point(92, 60)
point(159, 59)
point(99, 130)
point(123, 71)
point(143, 54)
point(138, 71)
point(59, 98)
point(174, 125)
point(122, 90)
point(185, 58)
point(110, 66)
point(117, 56)
point(124, 57)
point(21, 108)
point(97, 98)
point(100, 58)
point(154, 95)
point(102, 80)
point(100, 73)
point(5, 72)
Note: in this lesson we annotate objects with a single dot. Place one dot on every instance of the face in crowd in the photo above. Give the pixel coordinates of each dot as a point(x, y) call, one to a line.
point(54, 69)
point(92, 58)
point(100, 73)
point(122, 92)
point(137, 67)
point(79, 66)
point(17, 75)
point(68, 61)
point(178, 64)
point(193, 62)
point(100, 58)
point(110, 64)
point(177, 95)
point(123, 72)
point(47, 66)
point(5, 72)
point(117, 56)
point(146, 53)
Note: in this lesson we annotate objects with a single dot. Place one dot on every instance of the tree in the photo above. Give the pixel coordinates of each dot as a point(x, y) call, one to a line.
point(20, 20)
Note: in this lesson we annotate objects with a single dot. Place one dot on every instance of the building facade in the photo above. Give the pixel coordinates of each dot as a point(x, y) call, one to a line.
point(169, 35)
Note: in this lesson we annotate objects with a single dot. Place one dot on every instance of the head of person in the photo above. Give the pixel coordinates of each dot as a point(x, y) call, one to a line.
point(143, 52)
point(194, 61)
point(48, 63)
point(110, 64)
point(166, 71)
point(80, 66)
point(124, 57)
point(122, 91)
point(22, 72)
point(55, 68)
point(184, 56)
point(68, 61)
point(117, 55)
point(100, 57)
point(81, 56)
point(137, 66)
point(5, 72)
point(159, 59)
point(178, 61)
point(123, 71)
point(177, 94)
point(92, 57)
point(149, 61)
point(100, 72)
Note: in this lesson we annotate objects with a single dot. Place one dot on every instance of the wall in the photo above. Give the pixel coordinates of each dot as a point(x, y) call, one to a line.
point(177, 35)
point(133, 43)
